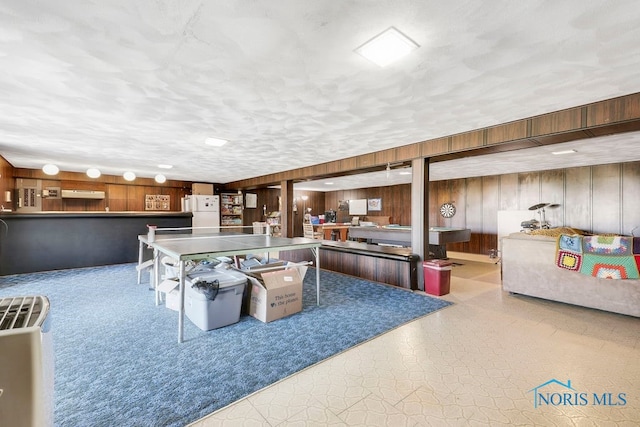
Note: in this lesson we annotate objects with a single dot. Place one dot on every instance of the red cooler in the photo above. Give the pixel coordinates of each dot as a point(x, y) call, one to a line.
point(437, 276)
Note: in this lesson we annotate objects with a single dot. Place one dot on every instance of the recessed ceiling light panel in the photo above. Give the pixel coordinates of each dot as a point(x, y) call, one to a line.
point(165, 166)
point(387, 47)
point(215, 142)
point(563, 152)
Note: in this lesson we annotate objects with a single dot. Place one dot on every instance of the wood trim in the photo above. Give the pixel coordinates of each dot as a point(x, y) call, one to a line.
point(613, 110)
point(507, 132)
point(435, 146)
point(468, 140)
point(561, 121)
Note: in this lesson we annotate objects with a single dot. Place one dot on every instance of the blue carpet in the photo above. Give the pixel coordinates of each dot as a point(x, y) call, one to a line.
point(118, 361)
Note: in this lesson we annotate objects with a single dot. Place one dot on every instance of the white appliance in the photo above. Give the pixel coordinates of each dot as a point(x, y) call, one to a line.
point(206, 212)
point(26, 362)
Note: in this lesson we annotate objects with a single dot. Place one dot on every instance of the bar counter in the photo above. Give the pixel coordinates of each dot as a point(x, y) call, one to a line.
point(43, 241)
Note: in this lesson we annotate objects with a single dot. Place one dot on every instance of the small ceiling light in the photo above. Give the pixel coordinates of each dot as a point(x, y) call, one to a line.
point(387, 47)
point(50, 169)
point(215, 142)
point(563, 152)
point(404, 173)
point(160, 179)
point(129, 176)
point(328, 183)
point(93, 173)
point(165, 166)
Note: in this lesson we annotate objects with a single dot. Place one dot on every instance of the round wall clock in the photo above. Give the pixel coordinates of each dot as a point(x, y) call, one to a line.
point(447, 210)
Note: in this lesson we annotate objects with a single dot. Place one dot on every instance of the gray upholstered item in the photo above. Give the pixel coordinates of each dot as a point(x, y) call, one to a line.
point(529, 268)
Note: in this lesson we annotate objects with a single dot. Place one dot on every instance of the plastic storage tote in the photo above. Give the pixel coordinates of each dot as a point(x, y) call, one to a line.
point(437, 276)
point(212, 307)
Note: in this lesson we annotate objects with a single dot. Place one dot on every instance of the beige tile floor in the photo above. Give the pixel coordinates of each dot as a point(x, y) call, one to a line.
point(471, 364)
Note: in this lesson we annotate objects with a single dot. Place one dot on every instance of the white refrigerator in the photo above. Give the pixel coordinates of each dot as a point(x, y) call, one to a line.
point(206, 212)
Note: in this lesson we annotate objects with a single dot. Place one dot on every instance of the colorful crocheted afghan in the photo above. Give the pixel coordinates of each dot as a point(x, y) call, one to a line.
point(606, 257)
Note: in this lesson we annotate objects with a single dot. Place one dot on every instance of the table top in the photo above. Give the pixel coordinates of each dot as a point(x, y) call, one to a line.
point(197, 246)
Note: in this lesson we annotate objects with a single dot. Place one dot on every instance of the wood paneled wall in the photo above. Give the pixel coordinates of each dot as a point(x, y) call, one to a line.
point(270, 197)
point(120, 195)
point(7, 182)
point(597, 199)
point(396, 202)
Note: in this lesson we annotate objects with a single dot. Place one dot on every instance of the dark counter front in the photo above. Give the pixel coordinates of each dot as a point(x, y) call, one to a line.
point(58, 240)
point(393, 266)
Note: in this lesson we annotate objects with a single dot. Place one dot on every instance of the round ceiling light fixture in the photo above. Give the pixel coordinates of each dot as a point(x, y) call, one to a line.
point(93, 173)
point(160, 179)
point(129, 176)
point(50, 169)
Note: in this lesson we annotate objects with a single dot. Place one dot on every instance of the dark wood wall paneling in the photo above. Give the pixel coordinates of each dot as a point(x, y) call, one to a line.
point(267, 197)
point(396, 202)
point(270, 197)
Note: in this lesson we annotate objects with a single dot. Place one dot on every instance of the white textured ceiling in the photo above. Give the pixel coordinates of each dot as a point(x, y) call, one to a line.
point(129, 84)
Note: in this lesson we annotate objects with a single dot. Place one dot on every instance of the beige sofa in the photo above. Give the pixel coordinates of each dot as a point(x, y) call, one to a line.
point(528, 268)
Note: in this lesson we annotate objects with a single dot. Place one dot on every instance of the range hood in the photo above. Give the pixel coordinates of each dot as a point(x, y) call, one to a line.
point(82, 194)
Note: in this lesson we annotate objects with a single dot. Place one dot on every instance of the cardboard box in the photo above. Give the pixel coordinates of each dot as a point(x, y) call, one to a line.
point(275, 294)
